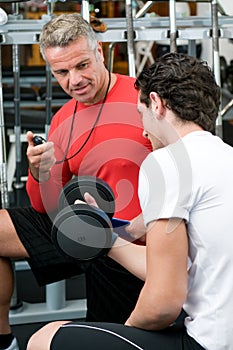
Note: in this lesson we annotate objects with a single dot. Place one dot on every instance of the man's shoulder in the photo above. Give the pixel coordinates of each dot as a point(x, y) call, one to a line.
point(69, 104)
point(64, 111)
point(125, 78)
point(67, 107)
point(125, 86)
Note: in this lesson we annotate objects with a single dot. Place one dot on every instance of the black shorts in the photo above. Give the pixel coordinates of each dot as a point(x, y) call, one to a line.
point(111, 290)
point(101, 336)
point(46, 262)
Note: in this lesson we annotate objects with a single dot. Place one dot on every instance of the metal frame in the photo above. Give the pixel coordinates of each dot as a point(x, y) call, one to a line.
point(25, 32)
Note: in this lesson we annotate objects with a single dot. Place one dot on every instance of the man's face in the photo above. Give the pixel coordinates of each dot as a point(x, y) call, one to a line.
point(78, 69)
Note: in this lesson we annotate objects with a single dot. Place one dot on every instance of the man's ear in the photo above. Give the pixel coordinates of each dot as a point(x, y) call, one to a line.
point(100, 49)
point(156, 104)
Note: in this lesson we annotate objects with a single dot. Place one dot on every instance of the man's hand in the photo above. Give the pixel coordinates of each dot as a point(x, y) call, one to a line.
point(40, 158)
point(136, 229)
point(90, 200)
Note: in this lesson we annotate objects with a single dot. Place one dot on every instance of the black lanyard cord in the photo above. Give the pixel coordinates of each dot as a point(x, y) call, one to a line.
point(92, 129)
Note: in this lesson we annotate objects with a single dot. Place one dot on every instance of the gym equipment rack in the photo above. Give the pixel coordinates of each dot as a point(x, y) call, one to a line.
point(18, 31)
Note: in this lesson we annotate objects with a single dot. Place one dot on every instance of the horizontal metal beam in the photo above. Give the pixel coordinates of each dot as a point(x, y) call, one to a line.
point(25, 32)
point(39, 103)
point(40, 312)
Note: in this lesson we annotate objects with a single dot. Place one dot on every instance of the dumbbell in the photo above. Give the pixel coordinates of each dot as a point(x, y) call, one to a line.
point(81, 231)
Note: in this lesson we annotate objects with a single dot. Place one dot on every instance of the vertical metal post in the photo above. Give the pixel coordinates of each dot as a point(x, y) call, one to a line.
point(49, 9)
point(216, 59)
point(48, 99)
point(18, 184)
point(55, 295)
point(85, 10)
point(130, 38)
point(110, 63)
point(48, 95)
point(3, 164)
point(173, 32)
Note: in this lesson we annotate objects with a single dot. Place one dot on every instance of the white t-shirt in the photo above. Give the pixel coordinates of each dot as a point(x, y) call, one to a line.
point(193, 180)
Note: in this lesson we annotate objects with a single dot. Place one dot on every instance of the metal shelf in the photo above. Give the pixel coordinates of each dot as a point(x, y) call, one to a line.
point(25, 32)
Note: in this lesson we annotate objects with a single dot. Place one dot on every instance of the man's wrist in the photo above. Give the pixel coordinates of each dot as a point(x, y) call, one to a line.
point(41, 177)
point(114, 238)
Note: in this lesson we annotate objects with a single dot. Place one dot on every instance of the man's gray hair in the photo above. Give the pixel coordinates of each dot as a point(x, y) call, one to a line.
point(60, 31)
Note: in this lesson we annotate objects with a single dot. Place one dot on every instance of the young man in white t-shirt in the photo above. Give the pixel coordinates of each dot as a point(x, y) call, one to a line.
point(185, 191)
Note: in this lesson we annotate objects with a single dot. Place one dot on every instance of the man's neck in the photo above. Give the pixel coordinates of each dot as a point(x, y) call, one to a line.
point(176, 129)
point(188, 128)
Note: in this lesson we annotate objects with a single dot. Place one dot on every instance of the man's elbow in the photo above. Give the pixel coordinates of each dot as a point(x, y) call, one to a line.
point(163, 317)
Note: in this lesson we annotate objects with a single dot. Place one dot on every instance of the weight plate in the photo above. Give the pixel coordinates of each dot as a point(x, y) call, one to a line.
point(99, 189)
point(82, 232)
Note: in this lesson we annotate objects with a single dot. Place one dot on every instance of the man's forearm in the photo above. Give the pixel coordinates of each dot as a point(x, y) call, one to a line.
point(154, 311)
point(131, 256)
point(43, 196)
